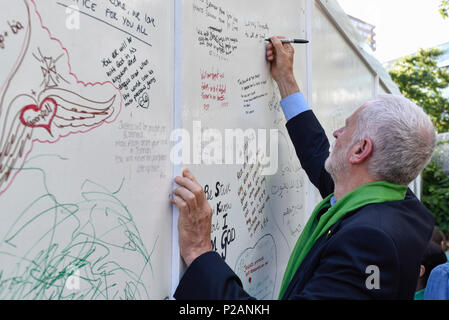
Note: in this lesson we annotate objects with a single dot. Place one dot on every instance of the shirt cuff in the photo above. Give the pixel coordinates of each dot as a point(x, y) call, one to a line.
point(294, 105)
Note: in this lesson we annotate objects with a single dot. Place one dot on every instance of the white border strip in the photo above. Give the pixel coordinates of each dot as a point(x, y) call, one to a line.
point(311, 190)
point(376, 85)
point(177, 116)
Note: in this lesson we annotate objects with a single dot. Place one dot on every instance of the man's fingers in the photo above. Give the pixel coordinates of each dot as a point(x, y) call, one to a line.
point(270, 53)
point(181, 204)
point(198, 189)
point(280, 46)
point(289, 47)
point(187, 174)
point(277, 43)
point(190, 185)
point(187, 197)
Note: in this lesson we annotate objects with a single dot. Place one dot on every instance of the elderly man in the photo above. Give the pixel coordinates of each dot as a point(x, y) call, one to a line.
point(366, 239)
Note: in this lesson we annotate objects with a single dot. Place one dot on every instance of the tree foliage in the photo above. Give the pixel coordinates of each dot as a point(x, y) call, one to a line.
point(444, 8)
point(421, 79)
point(436, 194)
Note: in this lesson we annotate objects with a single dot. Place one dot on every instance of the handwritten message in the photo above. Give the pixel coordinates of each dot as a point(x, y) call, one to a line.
point(221, 35)
point(118, 14)
point(256, 267)
point(134, 78)
point(213, 89)
point(144, 146)
point(252, 88)
point(253, 195)
point(222, 234)
point(288, 185)
point(256, 30)
point(14, 28)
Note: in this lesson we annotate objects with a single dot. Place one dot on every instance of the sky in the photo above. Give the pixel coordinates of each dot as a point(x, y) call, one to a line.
point(402, 26)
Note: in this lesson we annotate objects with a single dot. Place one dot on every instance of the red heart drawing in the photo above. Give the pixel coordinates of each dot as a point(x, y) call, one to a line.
point(39, 117)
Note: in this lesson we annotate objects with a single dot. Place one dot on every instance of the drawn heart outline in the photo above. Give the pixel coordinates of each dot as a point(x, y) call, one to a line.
point(42, 116)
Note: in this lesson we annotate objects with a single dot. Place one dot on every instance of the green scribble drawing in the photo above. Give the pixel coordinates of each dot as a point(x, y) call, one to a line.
point(95, 239)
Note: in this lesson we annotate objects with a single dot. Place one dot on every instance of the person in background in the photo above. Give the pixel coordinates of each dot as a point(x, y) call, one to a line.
point(440, 239)
point(438, 283)
point(433, 257)
point(447, 246)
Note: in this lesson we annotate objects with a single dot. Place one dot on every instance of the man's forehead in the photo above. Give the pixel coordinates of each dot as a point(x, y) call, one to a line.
point(355, 114)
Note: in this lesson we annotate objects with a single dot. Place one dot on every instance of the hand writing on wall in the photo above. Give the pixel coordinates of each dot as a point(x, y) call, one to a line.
point(281, 56)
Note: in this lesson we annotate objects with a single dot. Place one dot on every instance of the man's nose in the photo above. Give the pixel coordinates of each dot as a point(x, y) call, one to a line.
point(337, 133)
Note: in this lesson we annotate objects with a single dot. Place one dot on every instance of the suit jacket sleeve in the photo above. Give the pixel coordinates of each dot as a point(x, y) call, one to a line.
point(347, 270)
point(210, 278)
point(360, 263)
point(312, 148)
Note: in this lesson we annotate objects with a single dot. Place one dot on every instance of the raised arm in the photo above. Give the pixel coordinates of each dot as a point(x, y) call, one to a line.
point(308, 136)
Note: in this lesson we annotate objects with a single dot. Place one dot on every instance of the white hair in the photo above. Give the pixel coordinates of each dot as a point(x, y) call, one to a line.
point(403, 138)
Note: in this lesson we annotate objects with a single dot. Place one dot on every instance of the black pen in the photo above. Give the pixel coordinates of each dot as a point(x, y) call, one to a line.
point(291, 40)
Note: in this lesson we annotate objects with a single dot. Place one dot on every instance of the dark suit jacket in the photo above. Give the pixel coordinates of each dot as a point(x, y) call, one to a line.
point(391, 236)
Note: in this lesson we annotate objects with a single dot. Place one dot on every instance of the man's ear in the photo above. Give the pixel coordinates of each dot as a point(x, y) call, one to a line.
point(361, 151)
point(422, 271)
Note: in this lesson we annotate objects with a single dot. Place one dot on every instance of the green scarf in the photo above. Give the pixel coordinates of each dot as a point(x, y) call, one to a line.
point(376, 192)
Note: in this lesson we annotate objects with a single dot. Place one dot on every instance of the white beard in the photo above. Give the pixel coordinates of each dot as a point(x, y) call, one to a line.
point(336, 163)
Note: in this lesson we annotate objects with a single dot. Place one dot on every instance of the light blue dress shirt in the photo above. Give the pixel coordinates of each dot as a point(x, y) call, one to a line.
point(294, 105)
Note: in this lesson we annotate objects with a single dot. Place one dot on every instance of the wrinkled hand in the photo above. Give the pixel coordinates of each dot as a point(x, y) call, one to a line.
point(281, 57)
point(195, 218)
